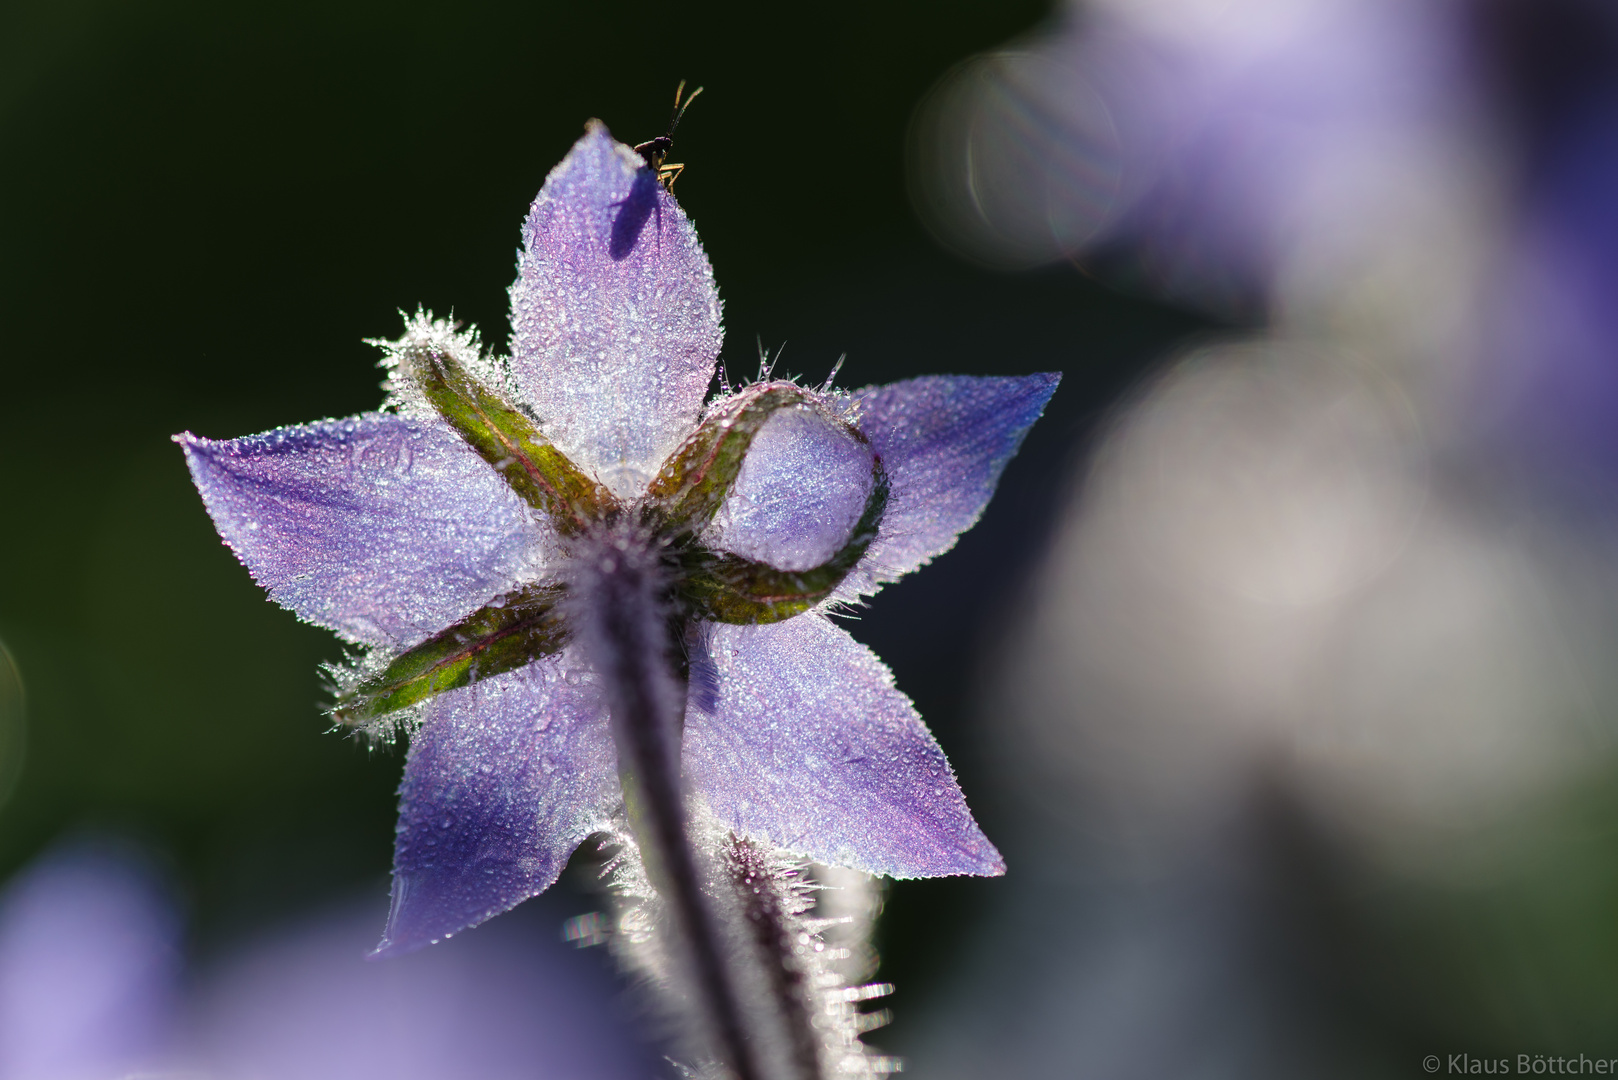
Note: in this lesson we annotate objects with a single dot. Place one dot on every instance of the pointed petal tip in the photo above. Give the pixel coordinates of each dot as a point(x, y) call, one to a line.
point(387, 949)
point(978, 856)
point(967, 854)
point(944, 439)
point(424, 911)
point(1040, 385)
point(1044, 384)
point(994, 867)
point(856, 780)
point(505, 779)
point(614, 314)
point(391, 946)
point(1027, 402)
point(393, 942)
point(981, 860)
point(599, 139)
point(974, 856)
point(209, 459)
point(191, 443)
point(432, 906)
point(202, 462)
point(414, 922)
point(382, 527)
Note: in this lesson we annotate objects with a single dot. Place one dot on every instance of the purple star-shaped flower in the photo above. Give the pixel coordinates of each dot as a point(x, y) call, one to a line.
point(460, 535)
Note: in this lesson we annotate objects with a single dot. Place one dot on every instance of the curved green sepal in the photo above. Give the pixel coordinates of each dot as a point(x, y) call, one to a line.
point(731, 589)
point(508, 440)
point(693, 482)
point(514, 630)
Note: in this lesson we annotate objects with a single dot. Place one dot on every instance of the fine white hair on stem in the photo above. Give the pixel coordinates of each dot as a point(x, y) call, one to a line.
point(796, 938)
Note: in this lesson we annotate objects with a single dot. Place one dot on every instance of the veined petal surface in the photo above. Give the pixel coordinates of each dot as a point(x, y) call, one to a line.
point(945, 440)
point(614, 314)
point(505, 778)
point(381, 527)
point(805, 743)
point(800, 490)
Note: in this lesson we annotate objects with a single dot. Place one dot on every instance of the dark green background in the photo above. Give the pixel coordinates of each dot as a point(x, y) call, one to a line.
point(205, 208)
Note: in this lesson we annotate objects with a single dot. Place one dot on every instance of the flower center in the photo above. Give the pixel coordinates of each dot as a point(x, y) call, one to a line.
point(789, 548)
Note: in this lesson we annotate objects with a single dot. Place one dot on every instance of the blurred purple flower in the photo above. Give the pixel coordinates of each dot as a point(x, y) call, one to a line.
point(89, 967)
point(92, 987)
point(1183, 145)
point(303, 1004)
point(490, 489)
point(1549, 386)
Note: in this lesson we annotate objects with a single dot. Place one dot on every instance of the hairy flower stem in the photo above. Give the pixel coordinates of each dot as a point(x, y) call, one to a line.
point(764, 905)
point(646, 697)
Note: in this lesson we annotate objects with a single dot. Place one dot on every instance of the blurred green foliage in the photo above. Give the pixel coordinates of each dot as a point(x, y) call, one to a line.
point(1505, 940)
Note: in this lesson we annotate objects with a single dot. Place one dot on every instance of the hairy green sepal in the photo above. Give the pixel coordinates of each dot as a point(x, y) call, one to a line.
point(520, 627)
point(731, 589)
point(525, 625)
point(695, 479)
point(536, 470)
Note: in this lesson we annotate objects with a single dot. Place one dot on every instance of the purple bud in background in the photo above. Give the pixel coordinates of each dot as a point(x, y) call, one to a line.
point(1183, 146)
point(89, 966)
point(513, 1001)
point(92, 987)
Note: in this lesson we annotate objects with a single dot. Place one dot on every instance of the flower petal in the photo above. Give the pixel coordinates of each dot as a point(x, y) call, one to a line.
point(806, 744)
point(944, 439)
point(614, 314)
point(505, 778)
point(800, 490)
point(383, 528)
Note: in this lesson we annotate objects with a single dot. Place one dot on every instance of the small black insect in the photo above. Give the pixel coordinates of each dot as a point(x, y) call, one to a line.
point(655, 151)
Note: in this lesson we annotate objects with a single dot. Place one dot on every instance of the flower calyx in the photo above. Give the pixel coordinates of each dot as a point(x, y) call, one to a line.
point(510, 442)
point(680, 503)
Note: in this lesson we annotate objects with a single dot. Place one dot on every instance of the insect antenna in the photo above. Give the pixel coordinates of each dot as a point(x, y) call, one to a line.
point(679, 110)
point(655, 152)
